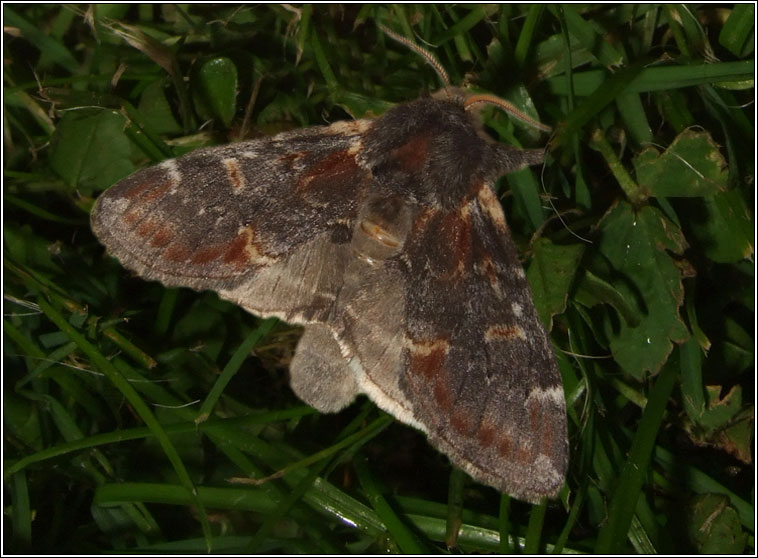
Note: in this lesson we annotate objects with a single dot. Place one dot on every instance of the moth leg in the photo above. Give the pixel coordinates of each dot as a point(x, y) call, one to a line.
point(319, 374)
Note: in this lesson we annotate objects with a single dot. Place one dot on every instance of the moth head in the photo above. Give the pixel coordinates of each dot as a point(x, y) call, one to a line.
point(436, 153)
point(473, 103)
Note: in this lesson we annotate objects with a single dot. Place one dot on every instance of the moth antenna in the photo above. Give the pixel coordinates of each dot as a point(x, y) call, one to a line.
point(428, 56)
point(506, 106)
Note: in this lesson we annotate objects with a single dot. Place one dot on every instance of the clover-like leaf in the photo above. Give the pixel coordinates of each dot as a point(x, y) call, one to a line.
point(726, 230)
point(713, 525)
point(639, 244)
point(89, 150)
point(692, 166)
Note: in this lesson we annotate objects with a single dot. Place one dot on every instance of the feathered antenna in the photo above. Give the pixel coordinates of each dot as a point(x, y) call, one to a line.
point(470, 100)
point(506, 106)
point(431, 60)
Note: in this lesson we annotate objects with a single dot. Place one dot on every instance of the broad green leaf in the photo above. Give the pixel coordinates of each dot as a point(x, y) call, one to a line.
point(721, 409)
point(90, 151)
point(216, 89)
point(638, 243)
point(713, 525)
point(704, 405)
point(737, 438)
point(726, 231)
point(155, 109)
point(692, 166)
point(550, 275)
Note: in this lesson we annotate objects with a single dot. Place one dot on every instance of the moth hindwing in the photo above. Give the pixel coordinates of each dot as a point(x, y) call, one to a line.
point(385, 239)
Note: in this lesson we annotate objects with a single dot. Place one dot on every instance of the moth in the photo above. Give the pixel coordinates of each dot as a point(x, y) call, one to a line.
point(385, 239)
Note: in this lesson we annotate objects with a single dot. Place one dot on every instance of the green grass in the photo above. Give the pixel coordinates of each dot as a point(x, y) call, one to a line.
point(134, 418)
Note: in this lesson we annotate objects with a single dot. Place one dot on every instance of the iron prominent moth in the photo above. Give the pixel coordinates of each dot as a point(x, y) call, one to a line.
point(385, 240)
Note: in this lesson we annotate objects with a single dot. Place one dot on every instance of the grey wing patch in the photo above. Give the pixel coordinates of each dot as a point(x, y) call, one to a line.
point(301, 288)
point(319, 375)
point(369, 329)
